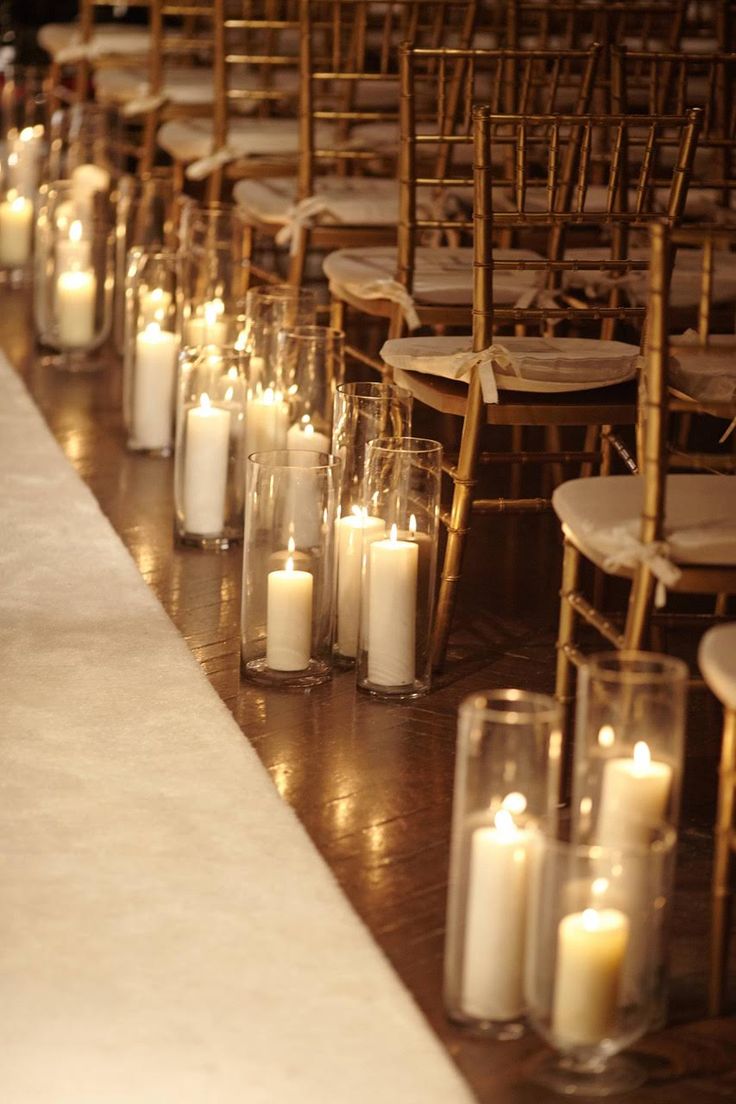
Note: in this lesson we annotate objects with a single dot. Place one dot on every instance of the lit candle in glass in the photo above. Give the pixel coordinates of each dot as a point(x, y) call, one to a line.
point(16, 227)
point(205, 468)
point(392, 599)
point(289, 617)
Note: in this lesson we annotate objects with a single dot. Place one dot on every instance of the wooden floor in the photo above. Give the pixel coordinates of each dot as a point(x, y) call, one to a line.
point(372, 783)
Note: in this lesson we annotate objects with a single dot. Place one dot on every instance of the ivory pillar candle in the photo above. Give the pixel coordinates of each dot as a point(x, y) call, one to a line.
point(205, 468)
point(153, 387)
point(76, 293)
point(266, 421)
point(23, 160)
point(392, 601)
point(634, 796)
point(354, 532)
point(303, 435)
point(591, 949)
point(289, 619)
point(495, 921)
point(16, 227)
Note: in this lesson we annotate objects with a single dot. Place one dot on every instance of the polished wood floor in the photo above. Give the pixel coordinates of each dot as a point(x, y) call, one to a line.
point(372, 783)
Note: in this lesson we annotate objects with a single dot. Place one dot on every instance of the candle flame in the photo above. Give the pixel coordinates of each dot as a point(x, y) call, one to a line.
point(642, 755)
point(394, 532)
point(599, 887)
point(26, 135)
point(232, 373)
point(412, 526)
point(514, 803)
point(309, 430)
point(504, 821)
point(205, 401)
point(153, 330)
point(358, 511)
point(290, 563)
point(606, 736)
point(75, 231)
point(213, 310)
point(591, 919)
point(305, 419)
point(17, 202)
point(12, 160)
point(291, 545)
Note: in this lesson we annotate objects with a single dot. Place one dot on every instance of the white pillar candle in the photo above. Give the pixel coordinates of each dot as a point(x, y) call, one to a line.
point(16, 226)
point(205, 468)
point(73, 251)
point(208, 327)
point(88, 179)
point(153, 387)
point(303, 435)
point(76, 293)
point(266, 421)
point(153, 306)
point(354, 532)
point(634, 796)
point(23, 160)
point(289, 618)
point(591, 948)
point(495, 921)
point(392, 602)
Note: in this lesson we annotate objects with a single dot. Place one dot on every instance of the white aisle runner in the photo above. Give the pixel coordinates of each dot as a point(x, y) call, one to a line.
point(168, 933)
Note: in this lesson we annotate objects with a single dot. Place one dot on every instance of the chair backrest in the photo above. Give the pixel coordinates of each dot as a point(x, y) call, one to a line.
point(572, 24)
point(585, 286)
point(673, 82)
point(256, 60)
point(182, 35)
point(350, 74)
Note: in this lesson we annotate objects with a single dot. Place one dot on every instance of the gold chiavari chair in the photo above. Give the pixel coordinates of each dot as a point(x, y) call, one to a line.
point(86, 44)
point(254, 128)
point(345, 192)
point(650, 24)
point(423, 281)
point(179, 92)
point(663, 532)
point(717, 661)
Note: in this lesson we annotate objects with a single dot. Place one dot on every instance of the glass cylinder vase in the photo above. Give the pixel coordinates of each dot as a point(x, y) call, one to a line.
point(506, 783)
point(151, 351)
point(17, 218)
point(267, 312)
point(401, 491)
point(288, 568)
point(85, 146)
point(362, 412)
point(213, 274)
point(74, 274)
point(629, 745)
point(312, 364)
point(209, 471)
point(594, 952)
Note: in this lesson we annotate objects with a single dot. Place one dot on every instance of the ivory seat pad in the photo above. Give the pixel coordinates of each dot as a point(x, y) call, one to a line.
point(717, 661)
point(107, 39)
point(180, 85)
point(365, 200)
point(443, 276)
point(191, 139)
point(519, 363)
point(705, 374)
point(602, 515)
point(686, 278)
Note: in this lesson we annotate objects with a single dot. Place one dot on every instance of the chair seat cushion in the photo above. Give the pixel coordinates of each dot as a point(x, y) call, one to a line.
point(707, 374)
point(602, 516)
point(366, 201)
point(442, 277)
point(191, 139)
point(717, 661)
point(686, 279)
point(108, 39)
point(535, 364)
point(190, 85)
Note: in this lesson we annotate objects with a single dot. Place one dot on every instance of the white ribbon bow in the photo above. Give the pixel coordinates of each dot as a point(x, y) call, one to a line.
point(627, 550)
point(201, 168)
point(143, 104)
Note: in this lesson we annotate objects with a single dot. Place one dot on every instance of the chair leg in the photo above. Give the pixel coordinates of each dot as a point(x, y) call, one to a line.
point(640, 607)
point(721, 885)
point(566, 638)
point(337, 314)
point(298, 257)
point(464, 479)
